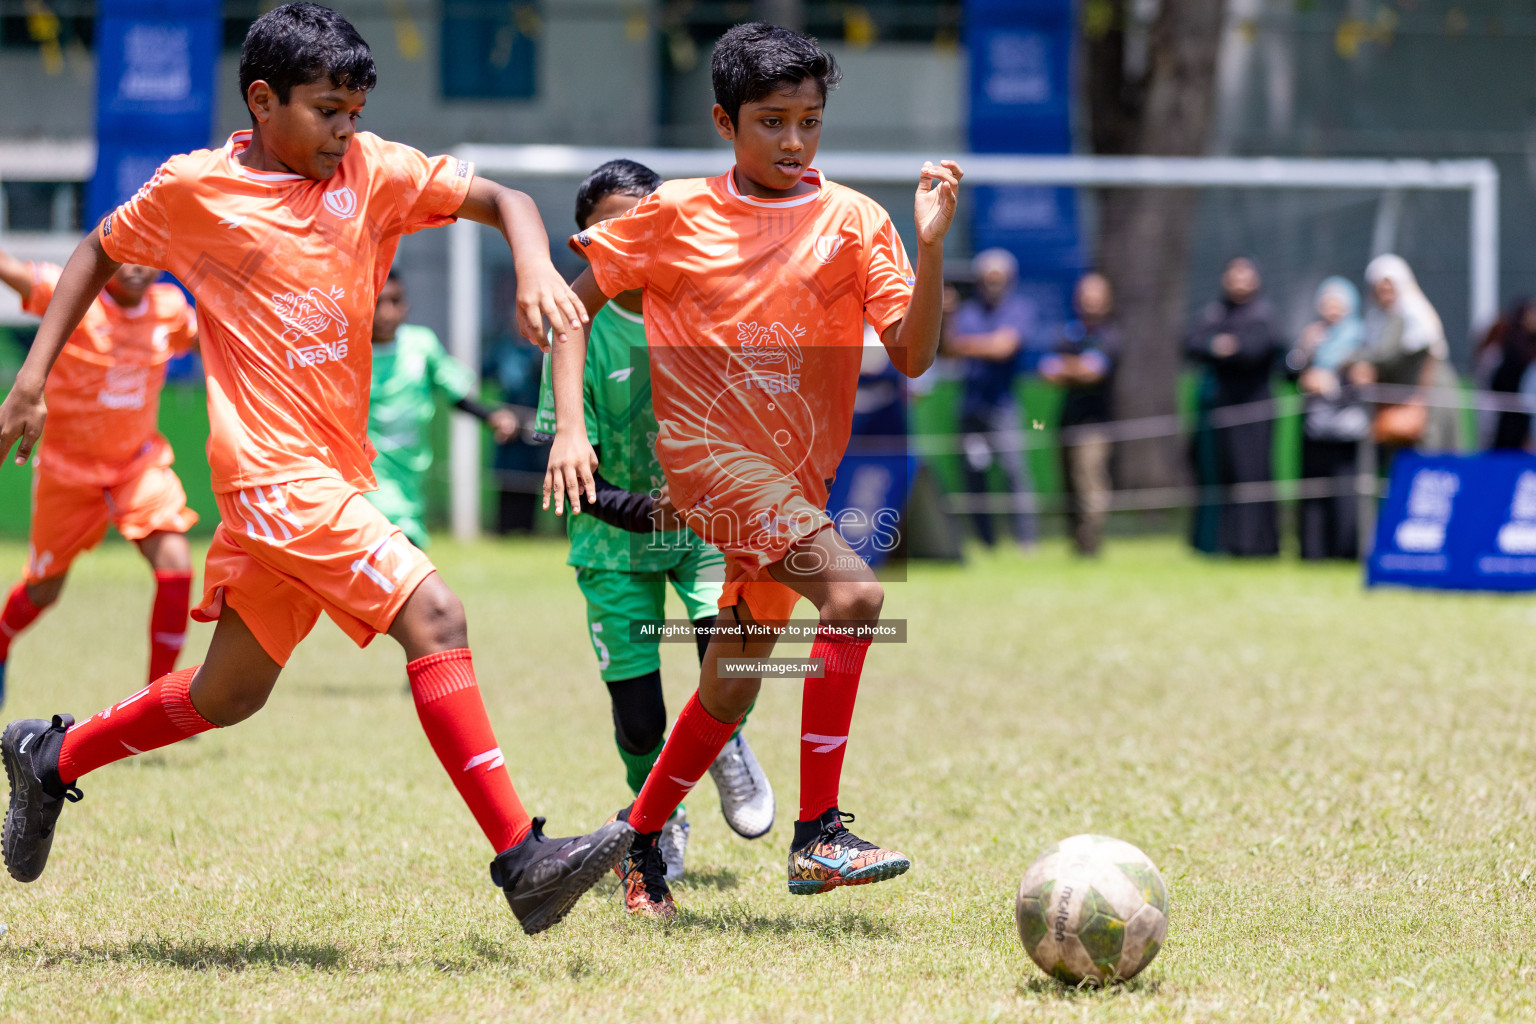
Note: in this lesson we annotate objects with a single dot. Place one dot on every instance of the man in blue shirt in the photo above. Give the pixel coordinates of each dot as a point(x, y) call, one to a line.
point(987, 333)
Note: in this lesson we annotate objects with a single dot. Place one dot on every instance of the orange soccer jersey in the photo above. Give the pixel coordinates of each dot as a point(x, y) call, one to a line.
point(104, 392)
point(754, 314)
point(285, 269)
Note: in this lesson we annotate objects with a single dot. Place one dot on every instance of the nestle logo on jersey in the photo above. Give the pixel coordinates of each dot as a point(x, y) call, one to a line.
point(315, 355)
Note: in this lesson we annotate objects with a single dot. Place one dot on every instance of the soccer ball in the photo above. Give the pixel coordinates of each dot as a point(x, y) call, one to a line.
point(1092, 909)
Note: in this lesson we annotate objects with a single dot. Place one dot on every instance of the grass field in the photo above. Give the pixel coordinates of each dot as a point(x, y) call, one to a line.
point(1338, 787)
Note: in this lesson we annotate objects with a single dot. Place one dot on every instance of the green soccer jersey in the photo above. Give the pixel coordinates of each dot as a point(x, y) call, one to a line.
point(407, 373)
point(616, 392)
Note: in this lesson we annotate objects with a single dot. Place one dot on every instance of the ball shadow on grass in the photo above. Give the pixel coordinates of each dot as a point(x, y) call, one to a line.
point(1038, 986)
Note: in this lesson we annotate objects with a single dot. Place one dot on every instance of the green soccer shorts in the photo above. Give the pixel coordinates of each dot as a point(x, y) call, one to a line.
point(616, 598)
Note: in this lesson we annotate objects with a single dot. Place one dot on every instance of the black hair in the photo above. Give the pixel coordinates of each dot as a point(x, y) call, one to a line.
point(393, 275)
point(753, 60)
point(300, 43)
point(616, 177)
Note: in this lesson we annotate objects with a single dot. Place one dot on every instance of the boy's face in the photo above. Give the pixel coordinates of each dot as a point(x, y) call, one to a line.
point(391, 311)
point(128, 285)
point(776, 137)
point(614, 204)
point(311, 132)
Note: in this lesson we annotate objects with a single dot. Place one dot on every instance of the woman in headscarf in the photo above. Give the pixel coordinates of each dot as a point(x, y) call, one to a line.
point(1235, 339)
point(1405, 345)
point(1334, 420)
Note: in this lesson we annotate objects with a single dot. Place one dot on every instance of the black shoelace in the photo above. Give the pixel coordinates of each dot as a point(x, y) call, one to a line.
point(837, 832)
point(653, 867)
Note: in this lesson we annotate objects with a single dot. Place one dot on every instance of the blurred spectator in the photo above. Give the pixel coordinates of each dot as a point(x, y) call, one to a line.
point(1502, 360)
point(1083, 363)
point(1334, 420)
point(987, 333)
point(516, 367)
point(1405, 345)
point(1234, 338)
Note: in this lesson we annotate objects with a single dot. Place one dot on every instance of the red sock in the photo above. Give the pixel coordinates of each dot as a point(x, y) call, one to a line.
point(18, 615)
point(697, 739)
point(168, 620)
point(156, 716)
point(453, 716)
point(826, 709)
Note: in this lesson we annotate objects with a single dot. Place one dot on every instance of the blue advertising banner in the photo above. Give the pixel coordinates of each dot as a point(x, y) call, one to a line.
point(1021, 102)
point(1458, 522)
point(869, 499)
point(154, 89)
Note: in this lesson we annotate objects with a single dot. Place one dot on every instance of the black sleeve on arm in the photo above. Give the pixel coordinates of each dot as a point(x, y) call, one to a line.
point(618, 507)
point(474, 407)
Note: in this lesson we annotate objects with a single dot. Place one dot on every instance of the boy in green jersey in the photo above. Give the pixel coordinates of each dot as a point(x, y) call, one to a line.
point(410, 369)
point(629, 546)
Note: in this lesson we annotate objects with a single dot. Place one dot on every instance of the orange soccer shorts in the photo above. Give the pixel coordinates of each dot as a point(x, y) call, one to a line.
point(69, 517)
point(286, 552)
point(754, 513)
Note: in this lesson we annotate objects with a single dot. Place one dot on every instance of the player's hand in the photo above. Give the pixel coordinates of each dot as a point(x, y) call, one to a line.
point(504, 425)
point(542, 294)
point(21, 420)
point(569, 474)
point(664, 513)
point(936, 203)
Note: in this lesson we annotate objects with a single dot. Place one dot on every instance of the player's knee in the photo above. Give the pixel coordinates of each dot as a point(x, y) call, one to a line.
point(855, 602)
point(226, 702)
point(440, 617)
point(233, 708)
point(45, 592)
point(639, 712)
point(640, 733)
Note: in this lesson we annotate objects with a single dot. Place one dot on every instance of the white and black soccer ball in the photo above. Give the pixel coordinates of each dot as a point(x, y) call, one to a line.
point(1092, 909)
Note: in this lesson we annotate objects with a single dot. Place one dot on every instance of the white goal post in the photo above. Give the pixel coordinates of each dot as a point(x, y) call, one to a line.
point(1478, 178)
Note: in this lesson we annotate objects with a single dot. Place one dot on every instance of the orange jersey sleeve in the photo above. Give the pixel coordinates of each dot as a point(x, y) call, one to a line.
point(176, 313)
point(429, 190)
point(139, 230)
point(45, 276)
point(622, 249)
point(888, 276)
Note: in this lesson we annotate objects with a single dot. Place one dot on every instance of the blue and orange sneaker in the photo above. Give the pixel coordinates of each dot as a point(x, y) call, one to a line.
point(833, 856)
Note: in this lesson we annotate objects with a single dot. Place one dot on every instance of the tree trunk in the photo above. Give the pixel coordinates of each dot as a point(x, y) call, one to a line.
point(1166, 110)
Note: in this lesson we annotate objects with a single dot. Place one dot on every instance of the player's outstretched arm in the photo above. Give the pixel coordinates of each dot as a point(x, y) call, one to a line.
point(541, 292)
point(23, 411)
point(913, 340)
point(15, 275)
point(572, 460)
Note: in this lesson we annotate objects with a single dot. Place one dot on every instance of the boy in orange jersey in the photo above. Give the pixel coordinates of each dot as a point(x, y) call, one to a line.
point(758, 284)
point(105, 460)
point(285, 236)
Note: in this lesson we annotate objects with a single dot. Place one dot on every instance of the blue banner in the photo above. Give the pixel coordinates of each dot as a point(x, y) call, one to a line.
point(1458, 522)
point(154, 89)
point(1021, 102)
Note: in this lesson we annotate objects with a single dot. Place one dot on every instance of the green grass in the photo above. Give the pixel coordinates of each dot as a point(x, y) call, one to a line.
point(1338, 787)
